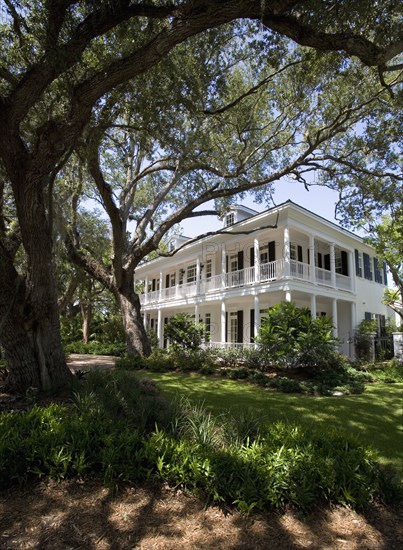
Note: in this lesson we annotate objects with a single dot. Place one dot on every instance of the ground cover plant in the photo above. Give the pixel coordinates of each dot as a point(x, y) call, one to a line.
point(373, 416)
point(119, 428)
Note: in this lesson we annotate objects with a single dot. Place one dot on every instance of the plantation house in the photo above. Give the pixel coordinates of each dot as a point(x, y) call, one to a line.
point(229, 279)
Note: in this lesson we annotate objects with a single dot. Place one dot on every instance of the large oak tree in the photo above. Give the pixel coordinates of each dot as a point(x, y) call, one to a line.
point(62, 58)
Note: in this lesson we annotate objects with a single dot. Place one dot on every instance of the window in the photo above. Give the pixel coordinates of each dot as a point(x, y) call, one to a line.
point(264, 255)
point(341, 261)
point(233, 327)
point(229, 219)
point(377, 271)
point(367, 266)
point(207, 324)
point(191, 274)
point(209, 268)
point(233, 262)
point(358, 263)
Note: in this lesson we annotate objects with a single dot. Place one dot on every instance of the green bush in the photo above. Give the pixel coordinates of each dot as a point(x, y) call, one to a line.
point(183, 333)
point(95, 348)
point(289, 337)
point(119, 428)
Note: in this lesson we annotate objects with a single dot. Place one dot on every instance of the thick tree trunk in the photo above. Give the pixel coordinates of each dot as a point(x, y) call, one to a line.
point(86, 315)
point(129, 304)
point(30, 333)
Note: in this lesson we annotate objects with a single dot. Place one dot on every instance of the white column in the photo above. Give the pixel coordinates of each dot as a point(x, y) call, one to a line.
point(223, 265)
point(223, 322)
point(197, 316)
point(332, 265)
point(160, 292)
point(312, 258)
point(353, 315)
point(159, 330)
point(334, 317)
point(256, 253)
point(257, 314)
point(288, 296)
point(146, 290)
point(287, 259)
point(198, 271)
point(351, 272)
point(313, 306)
point(145, 320)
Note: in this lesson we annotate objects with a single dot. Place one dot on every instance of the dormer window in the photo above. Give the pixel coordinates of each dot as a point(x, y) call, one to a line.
point(229, 219)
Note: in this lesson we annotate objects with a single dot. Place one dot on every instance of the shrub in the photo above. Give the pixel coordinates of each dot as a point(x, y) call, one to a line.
point(183, 333)
point(363, 340)
point(95, 348)
point(289, 337)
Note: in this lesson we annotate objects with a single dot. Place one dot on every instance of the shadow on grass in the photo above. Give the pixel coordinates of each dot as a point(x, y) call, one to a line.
point(375, 417)
point(86, 516)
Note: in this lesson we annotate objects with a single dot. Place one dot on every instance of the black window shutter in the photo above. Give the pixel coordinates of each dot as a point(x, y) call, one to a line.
point(226, 264)
point(344, 262)
point(368, 316)
point(308, 255)
point(252, 325)
point(385, 275)
point(320, 260)
point(153, 285)
point(240, 259)
point(252, 257)
point(271, 251)
point(240, 326)
point(376, 270)
point(166, 281)
point(299, 252)
point(327, 262)
point(367, 266)
point(226, 326)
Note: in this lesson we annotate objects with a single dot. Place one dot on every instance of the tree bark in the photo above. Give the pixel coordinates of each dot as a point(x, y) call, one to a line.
point(30, 328)
point(86, 314)
point(129, 304)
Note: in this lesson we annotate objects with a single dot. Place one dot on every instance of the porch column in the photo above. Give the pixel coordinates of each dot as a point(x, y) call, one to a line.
point(313, 306)
point(287, 258)
point(288, 296)
point(146, 290)
point(159, 330)
point(351, 271)
point(332, 265)
point(197, 316)
point(223, 323)
point(198, 272)
point(312, 258)
point(160, 292)
point(353, 315)
point(334, 317)
point(256, 253)
point(223, 265)
point(257, 314)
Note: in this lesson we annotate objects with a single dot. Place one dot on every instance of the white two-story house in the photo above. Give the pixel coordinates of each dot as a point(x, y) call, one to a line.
point(229, 279)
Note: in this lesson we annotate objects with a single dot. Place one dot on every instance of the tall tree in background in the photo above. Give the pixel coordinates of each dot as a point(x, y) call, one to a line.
point(59, 59)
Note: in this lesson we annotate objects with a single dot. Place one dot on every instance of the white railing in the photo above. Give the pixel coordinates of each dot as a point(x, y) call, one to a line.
point(229, 345)
point(343, 281)
point(299, 270)
point(270, 271)
point(323, 276)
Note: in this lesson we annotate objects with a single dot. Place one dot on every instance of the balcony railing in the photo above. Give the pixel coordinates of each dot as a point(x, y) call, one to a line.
point(270, 271)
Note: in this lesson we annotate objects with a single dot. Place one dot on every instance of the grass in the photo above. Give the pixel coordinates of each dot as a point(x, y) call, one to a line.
point(376, 416)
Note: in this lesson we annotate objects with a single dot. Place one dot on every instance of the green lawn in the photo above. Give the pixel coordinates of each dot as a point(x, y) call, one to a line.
point(376, 416)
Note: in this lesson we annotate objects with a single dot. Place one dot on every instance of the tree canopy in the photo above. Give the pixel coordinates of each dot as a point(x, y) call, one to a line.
point(63, 62)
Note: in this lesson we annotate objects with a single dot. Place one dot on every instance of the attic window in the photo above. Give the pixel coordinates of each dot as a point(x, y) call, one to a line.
point(230, 219)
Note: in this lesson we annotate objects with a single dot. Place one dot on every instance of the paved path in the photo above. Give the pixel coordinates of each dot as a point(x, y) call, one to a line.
point(78, 361)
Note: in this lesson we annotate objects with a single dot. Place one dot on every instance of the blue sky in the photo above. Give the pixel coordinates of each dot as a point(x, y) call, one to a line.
point(319, 200)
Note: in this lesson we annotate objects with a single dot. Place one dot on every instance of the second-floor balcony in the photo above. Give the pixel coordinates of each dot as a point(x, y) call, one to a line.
point(256, 275)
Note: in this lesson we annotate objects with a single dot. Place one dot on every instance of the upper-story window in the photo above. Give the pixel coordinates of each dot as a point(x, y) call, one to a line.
point(229, 219)
point(209, 268)
point(191, 274)
point(358, 263)
point(341, 262)
point(367, 266)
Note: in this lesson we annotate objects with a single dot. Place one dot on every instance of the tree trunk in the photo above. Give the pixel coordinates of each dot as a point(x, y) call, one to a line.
point(30, 330)
point(86, 314)
point(129, 304)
